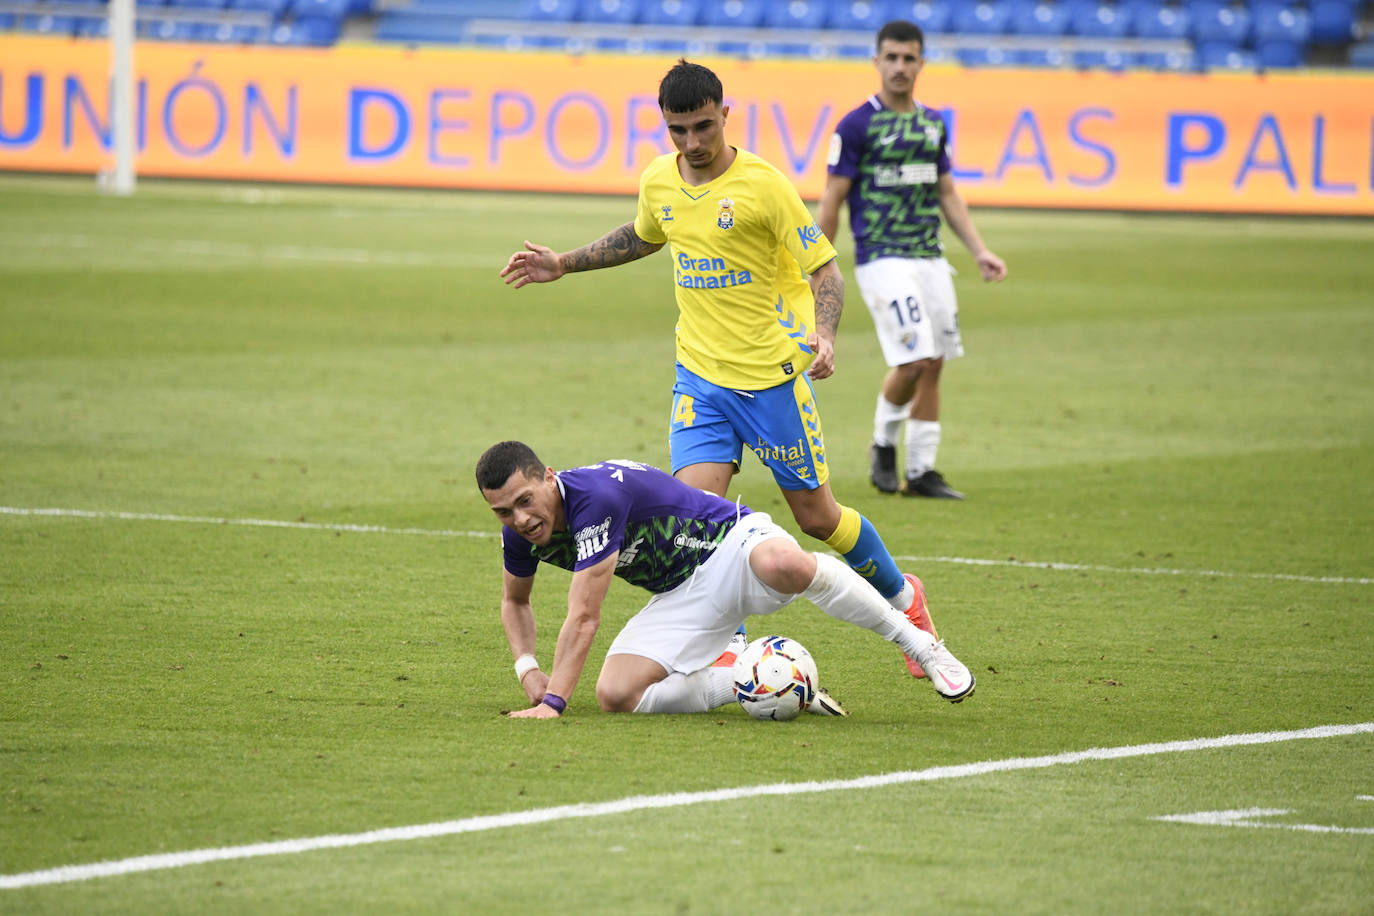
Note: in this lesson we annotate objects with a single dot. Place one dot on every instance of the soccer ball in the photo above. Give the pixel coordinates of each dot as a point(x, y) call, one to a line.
point(775, 678)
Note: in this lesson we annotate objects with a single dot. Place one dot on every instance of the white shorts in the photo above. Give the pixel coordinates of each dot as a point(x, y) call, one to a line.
point(913, 306)
point(687, 628)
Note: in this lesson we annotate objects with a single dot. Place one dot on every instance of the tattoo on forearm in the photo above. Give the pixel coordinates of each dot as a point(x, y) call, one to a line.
point(619, 246)
point(829, 302)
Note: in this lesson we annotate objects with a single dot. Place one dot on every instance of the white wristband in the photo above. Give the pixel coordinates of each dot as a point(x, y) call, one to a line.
point(524, 665)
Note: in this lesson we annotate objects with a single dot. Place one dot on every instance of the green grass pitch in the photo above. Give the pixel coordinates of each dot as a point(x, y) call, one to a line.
point(1164, 425)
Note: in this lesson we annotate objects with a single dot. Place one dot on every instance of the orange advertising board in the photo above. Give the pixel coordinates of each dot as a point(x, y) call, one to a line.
point(1277, 143)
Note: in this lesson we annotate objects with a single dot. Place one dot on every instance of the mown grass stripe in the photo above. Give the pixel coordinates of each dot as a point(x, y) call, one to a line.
point(70, 873)
point(448, 533)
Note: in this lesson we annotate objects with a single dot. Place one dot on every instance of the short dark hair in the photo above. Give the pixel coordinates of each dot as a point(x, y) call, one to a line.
point(901, 30)
point(688, 87)
point(504, 459)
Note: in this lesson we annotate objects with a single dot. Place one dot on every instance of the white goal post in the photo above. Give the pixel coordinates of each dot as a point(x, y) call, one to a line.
point(120, 179)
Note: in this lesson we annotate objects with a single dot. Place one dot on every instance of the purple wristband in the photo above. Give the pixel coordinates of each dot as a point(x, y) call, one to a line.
point(555, 702)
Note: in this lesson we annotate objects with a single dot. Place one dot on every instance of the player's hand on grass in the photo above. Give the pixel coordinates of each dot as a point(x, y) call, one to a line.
point(535, 712)
point(536, 264)
point(535, 683)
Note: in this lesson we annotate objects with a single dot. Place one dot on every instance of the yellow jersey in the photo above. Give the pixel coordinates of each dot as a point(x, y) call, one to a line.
point(742, 248)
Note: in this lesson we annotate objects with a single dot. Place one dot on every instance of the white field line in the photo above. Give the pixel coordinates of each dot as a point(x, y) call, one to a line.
point(1246, 817)
point(427, 532)
point(70, 873)
point(216, 250)
point(1147, 571)
point(245, 522)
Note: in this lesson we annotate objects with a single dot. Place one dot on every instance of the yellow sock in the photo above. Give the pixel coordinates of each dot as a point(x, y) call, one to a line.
point(846, 533)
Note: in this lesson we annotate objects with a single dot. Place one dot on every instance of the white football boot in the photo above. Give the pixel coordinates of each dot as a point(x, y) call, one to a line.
point(823, 704)
point(949, 676)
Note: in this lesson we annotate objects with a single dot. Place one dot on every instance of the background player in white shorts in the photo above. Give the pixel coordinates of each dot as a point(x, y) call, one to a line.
point(888, 160)
point(709, 562)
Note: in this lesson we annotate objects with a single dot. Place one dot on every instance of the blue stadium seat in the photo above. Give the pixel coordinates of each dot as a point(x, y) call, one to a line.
point(409, 24)
point(1100, 20)
point(318, 23)
point(613, 11)
point(739, 14)
point(933, 16)
point(1039, 17)
point(750, 50)
point(1362, 55)
point(167, 30)
point(1279, 54)
point(855, 50)
point(985, 57)
point(197, 4)
point(938, 54)
point(235, 33)
point(511, 42)
point(275, 8)
point(1280, 22)
point(1219, 22)
point(1222, 55)
point(813, 50)
point(549, 10)
point(795, 14)
point(1173, 61)
point(319, 32)
point(286, 34)
point(325, 10)
point(669, 12)
point(47, 24)
point(985, 17)
point(86, 26)
point(1041, 58)
point(857, 16)
point(1109, 59)
point(677, 47)
point(1161, 22)
point(1333, 22)
point(616, 44)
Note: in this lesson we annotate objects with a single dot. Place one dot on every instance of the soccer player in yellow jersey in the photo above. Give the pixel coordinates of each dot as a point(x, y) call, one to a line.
point(759, 296)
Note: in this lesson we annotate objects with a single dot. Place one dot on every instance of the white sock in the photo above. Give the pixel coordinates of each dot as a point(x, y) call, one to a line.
point(902, 600)
point(695, 692)
point(887, 420)
point(922, 442)
point(843, 594)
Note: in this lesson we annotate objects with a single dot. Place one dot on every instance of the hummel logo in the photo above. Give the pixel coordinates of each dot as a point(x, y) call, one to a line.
point(888, 139)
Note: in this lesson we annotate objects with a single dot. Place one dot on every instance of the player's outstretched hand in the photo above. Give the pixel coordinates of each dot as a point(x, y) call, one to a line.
point(536, 264)
point(535, 712)
point(993, 268)
point(823, 366)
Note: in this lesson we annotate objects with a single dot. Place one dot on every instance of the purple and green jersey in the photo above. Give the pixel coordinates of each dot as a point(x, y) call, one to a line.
point(895, 160)
point(663, 528)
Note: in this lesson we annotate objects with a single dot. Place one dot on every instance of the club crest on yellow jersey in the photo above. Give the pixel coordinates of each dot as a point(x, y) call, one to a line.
point(725, 216)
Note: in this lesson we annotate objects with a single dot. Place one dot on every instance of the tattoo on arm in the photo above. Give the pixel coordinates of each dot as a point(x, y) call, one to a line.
point(829, 294)
point(619, 246)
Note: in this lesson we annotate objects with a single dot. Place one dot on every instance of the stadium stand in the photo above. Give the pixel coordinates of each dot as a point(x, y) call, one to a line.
point(1085, 34)
point(1362, 55)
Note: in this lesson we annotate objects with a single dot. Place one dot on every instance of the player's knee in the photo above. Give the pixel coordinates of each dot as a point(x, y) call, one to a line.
point(785, 568)
point(617, 696)
point(819, 526)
